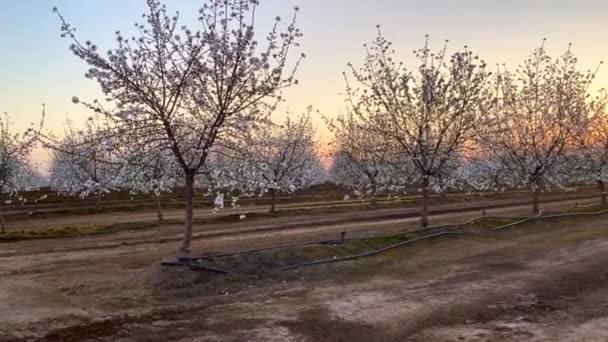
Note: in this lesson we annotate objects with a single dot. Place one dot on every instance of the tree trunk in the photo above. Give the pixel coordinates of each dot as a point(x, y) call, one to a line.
point(2, 222)
point(424, 213)
point(273, 195)
point(159, 209)
point(602, 186)
point(98, 200)
point(375, 191)
point(189, 198)
point(535, 207)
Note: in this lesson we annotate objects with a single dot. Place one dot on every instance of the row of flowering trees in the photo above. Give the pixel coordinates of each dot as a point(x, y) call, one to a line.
point(192, 93)
point(451, 123)
point(189, 107)
point(17, 174)
point(272, 158)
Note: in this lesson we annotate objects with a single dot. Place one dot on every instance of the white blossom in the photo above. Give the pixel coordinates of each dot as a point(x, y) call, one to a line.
point(537, 113)
point(82, 164)
point(17, 174)
point(185, 91)
point(423, 117)
point(283, 158)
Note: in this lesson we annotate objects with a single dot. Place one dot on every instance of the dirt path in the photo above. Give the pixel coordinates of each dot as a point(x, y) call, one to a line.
point(280, 230)
point(540, 283)
point(149, 216)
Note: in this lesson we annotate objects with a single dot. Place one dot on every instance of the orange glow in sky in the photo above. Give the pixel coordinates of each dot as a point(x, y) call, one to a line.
point(36, 65)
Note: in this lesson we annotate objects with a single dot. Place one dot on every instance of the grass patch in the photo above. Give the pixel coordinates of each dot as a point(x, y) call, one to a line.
point(588, 209)
point(582, 235)
point(220, 218)
point(264, 261)
point(51, 233)
point(491, 222)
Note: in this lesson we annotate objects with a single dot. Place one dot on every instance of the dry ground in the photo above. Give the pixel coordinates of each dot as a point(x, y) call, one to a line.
point(543, 281)
point(60, 216)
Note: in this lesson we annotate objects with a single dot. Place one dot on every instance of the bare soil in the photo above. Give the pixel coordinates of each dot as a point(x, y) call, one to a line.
point(60, 215)
point(542, 281)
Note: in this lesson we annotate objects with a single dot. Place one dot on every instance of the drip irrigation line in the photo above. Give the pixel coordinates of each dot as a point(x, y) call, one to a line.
point(366, 254)
point(190, 261)
point(196, 267)
point(335, 241)
point(541, 217)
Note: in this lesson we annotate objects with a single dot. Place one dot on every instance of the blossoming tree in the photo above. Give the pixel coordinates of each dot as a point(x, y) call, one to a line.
point(16, 171)
point(84, 161)
point(485, 174)
point(426, 115)
point(590, 157)
point(537, 114)
point(284, 155)
point(225, 175)
point(154, 173)
point(361, 162)
point(185, 90)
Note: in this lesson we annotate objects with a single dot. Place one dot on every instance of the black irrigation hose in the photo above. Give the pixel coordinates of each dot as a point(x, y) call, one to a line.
point(249, 251)
point(420, 230)
point(424, 229)
point(362, 255)
point(196, 267)
point(337, 241)
point(370, 253)
point(540, 217)
point(512, 224)
point(584, 205)
point(187, 262)
point(576, 214)
point(352, 257)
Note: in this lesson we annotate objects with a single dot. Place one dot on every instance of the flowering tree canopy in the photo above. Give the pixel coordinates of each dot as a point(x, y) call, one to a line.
point(485, 174)
point(186, 90)
point(85, 161)
point(16, 172)
point(590, 157)
point(426, 115)
point(152, 173)
point(284, 156)
point(226, 175)
point(362, 162)
point(537, 113)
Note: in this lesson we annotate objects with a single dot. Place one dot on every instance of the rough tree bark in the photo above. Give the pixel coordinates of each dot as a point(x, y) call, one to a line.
point(189, 199)
point(273, 195)
point(98, 199)
point(602, 187)
point(2, 221)
point(375, 191)
point(535, 207)
point(159, 209)
point(424, 213)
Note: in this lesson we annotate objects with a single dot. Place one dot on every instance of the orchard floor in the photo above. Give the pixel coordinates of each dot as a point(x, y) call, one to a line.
point(60, 215)
point(542, 281)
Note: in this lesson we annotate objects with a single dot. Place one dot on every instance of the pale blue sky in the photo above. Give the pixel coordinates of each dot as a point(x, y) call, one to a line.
point(36, 66)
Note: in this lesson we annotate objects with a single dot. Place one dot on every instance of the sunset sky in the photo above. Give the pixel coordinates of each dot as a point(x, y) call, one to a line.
point(36, 66)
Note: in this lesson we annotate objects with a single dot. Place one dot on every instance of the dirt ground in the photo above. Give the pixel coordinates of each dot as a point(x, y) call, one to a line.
point(58, 217)
point(543, 281)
